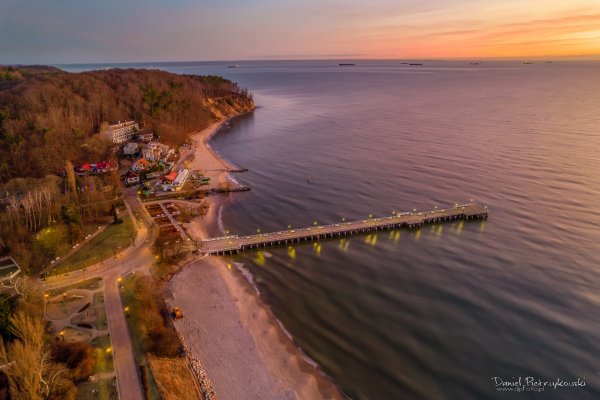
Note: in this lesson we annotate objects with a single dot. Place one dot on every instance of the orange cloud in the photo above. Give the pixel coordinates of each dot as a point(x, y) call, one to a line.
point(570, 35)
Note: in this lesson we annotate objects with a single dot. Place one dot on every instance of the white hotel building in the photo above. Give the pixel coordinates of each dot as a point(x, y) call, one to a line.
point(123, 131)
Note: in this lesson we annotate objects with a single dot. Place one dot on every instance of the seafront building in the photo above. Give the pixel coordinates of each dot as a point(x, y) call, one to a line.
point(175, 181)
point(123, 131)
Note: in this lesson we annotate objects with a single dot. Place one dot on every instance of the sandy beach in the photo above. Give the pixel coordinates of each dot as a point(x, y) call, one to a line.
point(205, 159)
point(242, 347)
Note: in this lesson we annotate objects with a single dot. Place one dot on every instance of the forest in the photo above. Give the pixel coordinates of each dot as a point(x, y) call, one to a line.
point(48, 116)
point(51, 120)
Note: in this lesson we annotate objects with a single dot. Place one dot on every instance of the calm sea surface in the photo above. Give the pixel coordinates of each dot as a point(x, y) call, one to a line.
point(436, 313)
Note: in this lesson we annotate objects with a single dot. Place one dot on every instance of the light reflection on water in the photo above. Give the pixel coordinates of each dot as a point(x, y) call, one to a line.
point(437, 312)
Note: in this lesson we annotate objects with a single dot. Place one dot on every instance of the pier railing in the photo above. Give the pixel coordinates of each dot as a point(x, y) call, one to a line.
point(232, 243)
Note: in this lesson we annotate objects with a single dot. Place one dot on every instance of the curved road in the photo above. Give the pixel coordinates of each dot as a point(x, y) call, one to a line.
point(137, 257)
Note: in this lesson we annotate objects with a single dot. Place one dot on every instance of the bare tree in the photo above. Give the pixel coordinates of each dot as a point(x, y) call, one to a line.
point(15, 286)
point(31, 374)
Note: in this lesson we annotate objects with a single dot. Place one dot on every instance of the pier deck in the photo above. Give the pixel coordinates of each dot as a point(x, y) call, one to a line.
point(233, 244)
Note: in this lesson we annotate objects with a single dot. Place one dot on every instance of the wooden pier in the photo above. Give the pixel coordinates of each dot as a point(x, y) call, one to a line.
point(234, 244)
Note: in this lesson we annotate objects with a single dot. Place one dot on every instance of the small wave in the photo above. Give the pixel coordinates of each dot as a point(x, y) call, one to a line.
point(250, 278)
point(247, 274)
point(220, 225)
point(233, 180)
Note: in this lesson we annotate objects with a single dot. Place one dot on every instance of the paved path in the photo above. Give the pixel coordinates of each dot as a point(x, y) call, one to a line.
point(144, 239)
point(128, 379)
point(136, 257)
point(79, 246)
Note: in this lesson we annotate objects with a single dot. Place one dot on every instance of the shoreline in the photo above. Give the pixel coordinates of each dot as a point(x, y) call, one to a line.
point(229, 327)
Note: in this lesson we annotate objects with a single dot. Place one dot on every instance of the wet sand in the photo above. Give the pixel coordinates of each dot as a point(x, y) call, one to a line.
point(242, 347)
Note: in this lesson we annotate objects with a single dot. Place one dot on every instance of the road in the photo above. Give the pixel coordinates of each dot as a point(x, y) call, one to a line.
point(137, 257)
point(128, 379)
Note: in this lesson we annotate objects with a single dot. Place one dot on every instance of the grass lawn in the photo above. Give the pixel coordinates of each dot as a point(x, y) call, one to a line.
point(86, 229)
point(101, 323)
point(174, 378)
point(102, 247)
point(133, 315)
point(103, 389)
point(104, 361)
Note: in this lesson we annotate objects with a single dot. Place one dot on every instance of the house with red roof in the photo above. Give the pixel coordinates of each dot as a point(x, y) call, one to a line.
point(141, 164)
point(132, 178)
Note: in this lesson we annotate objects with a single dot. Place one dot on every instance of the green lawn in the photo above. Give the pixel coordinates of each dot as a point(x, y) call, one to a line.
point(133, 315)
point(64, 247)
point(103, 389)
point(101, 323)
point(104, 362)
point(102, 247)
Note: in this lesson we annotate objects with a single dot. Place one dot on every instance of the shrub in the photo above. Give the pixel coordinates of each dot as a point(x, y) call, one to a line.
point(78, 357)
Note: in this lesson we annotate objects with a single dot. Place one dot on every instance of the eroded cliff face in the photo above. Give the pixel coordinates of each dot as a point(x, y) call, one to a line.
point(228, 107)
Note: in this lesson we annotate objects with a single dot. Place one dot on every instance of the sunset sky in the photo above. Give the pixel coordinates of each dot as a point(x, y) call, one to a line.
point(64, 31)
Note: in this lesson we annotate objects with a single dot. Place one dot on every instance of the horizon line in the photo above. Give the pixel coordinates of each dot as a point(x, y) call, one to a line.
point(591, 57)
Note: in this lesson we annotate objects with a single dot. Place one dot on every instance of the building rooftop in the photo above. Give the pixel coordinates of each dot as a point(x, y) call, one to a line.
point(8, 268)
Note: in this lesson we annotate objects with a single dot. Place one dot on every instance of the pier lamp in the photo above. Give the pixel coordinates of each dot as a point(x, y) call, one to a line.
point(289, 227)
point(227, 232)
point(258, 230)
point(343, 219)
point(315, 223)
point(370, 215)
point(393, 212)
point(414, 210)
